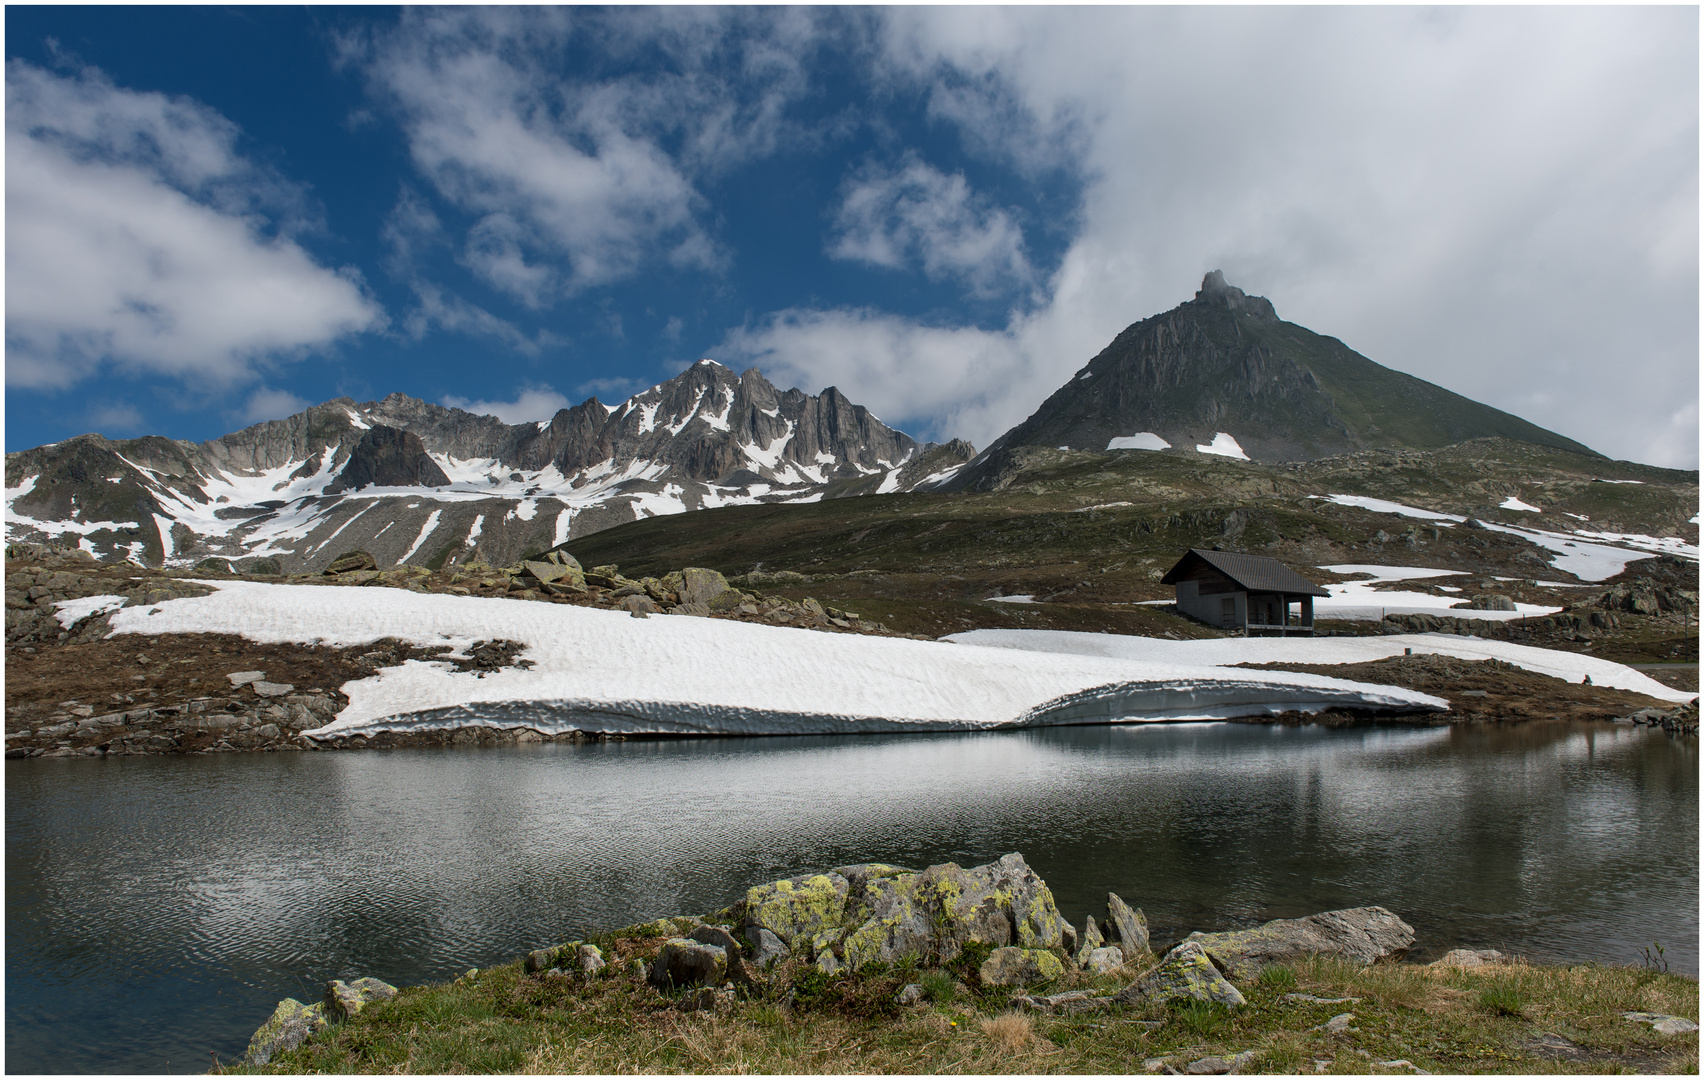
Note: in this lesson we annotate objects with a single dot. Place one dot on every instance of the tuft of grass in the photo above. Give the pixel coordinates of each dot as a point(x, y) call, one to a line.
point(1010, 1031)
point(1203, 1018)
point(1277, 977)
point(1502, 1000)
point(939, 986)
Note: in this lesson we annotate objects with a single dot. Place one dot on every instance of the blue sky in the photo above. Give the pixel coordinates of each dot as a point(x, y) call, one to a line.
point(219, 215)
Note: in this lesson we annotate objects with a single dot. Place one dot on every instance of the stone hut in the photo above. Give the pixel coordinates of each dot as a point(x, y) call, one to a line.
point(1253, 593)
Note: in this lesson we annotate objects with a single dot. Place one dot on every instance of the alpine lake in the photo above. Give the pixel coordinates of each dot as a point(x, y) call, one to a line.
point(159, 907)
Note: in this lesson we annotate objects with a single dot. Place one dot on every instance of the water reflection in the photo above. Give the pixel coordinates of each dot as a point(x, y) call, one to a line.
point(172, 902)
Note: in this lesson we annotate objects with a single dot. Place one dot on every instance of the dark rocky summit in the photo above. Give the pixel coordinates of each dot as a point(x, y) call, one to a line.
point(1225, 362)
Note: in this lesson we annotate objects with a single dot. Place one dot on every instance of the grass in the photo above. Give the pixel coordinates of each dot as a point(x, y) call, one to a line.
point(1438, 1018)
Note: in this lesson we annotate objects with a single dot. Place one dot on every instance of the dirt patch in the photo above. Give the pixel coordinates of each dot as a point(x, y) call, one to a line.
point(1482, 690)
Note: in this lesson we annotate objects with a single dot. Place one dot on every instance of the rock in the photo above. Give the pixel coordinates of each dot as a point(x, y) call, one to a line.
point(708, 999)
point(243, 678)
point(1363, 934)
point(910, 994)
point(343, 1000)
point(1468, 958)
point(351, 561)
point(591, 959)
point(1475, 523)
point(717, 936)
point(287, 1028)
point(272, 689)
point(1186, 974)
point(268, 731)
point(700, 610)
point(1490, 602)
point(766, 949)
point(796, 909)
point(639, 604)
point(1336, 1025)
point(1129, 928)
point(1312, 1000)
point(684, 962)
point(1070, 1002)
point(700, 586)
point(548, 572)
point(1008, 966)
point(1105, 959)
point(1662, 1023)
point(1089, 940)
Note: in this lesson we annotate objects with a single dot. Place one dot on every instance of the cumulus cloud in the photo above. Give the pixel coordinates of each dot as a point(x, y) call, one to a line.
point(267, 403)
point(532, 403)
point(571, 180)
point(916, 215)
point(138, 239)
point(1497, 200)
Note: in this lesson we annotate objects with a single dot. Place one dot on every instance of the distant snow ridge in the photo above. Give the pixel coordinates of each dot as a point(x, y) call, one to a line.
point(1142, 440)
point(685, 675)
point(1575, 552)
point(457, 483)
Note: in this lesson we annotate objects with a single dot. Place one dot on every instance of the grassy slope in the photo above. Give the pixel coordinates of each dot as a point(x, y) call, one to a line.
point(1495, 1019)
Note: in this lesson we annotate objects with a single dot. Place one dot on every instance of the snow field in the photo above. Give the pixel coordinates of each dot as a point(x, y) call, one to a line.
point(684, 675)
point(1570, 667)
point(1362, 601)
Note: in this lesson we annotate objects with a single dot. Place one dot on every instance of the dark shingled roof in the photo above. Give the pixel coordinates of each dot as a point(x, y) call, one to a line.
point(1256, 573)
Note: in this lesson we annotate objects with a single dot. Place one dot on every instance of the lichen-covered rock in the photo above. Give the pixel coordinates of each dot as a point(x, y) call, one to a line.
point(591, 959)
point(717, 936)
point(1009, 966)
point(554, 957)
point(798, 908)
point(346, 999)
point(1104, 959)
point(1089, 940)
point(351, 561)
point(1469, 958)
point(1186, 974)
point(1363, 935)
point(1130, 927)
point(700, 586)
point(287, 1028)
point(893, 913)
point(684, 962)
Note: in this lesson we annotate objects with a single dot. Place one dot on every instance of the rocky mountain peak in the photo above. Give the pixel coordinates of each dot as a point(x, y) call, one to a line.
point(1216, 290)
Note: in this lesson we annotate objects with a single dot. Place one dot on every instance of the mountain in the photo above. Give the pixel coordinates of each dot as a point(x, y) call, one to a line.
point(1223, 374)
point(413, 482)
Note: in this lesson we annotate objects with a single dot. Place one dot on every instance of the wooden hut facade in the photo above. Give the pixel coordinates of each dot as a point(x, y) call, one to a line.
point(1253, 593)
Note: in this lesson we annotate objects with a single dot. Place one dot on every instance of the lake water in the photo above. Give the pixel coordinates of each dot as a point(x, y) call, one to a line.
point(157, 908)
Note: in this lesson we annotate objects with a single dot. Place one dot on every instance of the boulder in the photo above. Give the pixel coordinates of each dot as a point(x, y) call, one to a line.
point(590, 958)
point(717, 936)
point(1363, 935)
point(639, 604)
point(766, 949)
point(700, 586)
point(287, 1028)
point(894, 913)
point(684, 962)
point(243, 678)
point(1490, 602)
point(1186, 974)
point(549, 571)
point(272, 689)
point(1088, 940)
point(345, 999)
point(1070, 1002)
point(1469, 958)
point(1008, 966)
point(350, 561)
point(1129, 927)
point(1104, 959)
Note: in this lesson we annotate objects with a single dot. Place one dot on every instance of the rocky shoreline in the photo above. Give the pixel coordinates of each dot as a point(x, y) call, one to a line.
point(992, 931)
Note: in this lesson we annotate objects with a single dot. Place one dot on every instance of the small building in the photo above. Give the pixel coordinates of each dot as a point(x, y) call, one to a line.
point(1258, 595)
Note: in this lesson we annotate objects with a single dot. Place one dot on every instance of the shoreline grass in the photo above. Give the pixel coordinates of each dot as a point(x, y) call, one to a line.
point(1499, 1018)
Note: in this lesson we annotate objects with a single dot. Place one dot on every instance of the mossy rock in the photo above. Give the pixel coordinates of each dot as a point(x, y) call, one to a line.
point(290, 1024)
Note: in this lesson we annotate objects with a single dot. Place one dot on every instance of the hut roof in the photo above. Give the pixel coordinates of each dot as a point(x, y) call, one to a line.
point(1256, 573)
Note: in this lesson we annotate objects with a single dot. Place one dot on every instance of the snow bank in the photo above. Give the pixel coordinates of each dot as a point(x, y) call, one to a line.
point(1142, 440)
point(1363, 601)
point(1223, 445)
point(684, 675)
point(1571, 667)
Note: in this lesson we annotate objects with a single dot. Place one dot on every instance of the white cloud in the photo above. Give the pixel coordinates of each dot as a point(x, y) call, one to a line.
point(1497, 200)
point(611, 390)
point(531, 404)
point(134, 240)
point(917, 214)
point(267, 403)
point(118, 416)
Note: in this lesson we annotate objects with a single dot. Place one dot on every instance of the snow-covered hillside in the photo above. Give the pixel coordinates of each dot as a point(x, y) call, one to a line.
point(608, 671)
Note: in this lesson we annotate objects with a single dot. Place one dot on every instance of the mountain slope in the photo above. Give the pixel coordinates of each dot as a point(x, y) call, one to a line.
point(1224, 364)
point(420, 483)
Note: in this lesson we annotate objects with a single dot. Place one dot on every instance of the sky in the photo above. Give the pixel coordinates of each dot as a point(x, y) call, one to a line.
point(218, 216)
